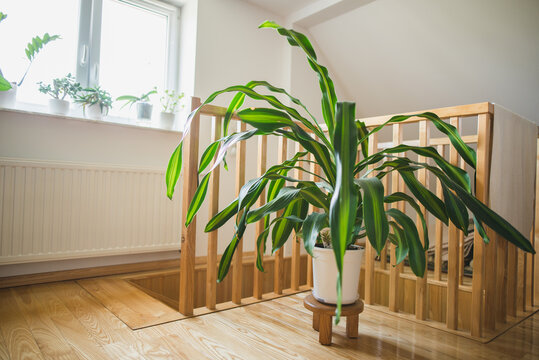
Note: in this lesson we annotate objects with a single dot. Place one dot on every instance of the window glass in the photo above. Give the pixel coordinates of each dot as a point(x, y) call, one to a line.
point(26, 19)
point(134, 50)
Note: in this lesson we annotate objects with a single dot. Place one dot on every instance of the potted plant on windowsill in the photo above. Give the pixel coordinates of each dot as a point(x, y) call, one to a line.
point(170, 101)
point(95, 102)
point(8, 90)
point(59, 89)
point(144, 107)
point(351, 198)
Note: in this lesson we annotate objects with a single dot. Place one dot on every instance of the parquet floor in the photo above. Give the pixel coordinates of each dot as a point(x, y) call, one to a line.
point(64, 321)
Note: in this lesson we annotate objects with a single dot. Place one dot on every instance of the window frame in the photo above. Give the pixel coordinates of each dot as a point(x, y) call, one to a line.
point(89, 44)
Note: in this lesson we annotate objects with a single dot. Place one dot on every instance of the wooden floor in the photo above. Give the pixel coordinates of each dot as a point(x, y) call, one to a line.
point(64, 321)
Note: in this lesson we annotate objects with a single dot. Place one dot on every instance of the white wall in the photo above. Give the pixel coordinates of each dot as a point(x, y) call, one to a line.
point(230, 48)
point(397, 56)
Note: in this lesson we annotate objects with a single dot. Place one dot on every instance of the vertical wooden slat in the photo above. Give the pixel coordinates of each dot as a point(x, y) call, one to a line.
point(521, 281)
point(211, 265)
point(188, 240)
point(536, 233)
point(461, 240)
point(295, 270)
point(237, 260)
point(258, 285)
point(421, 282)
point(369, 250)
point(490, 265)
point(383, 253)
point(393, 269)
point(278, 271)
point(484, 131)
point(453, 255)
point(530, 273)
point(315, 168)
point(501, 281)
point(439, 229)
point(511, 295)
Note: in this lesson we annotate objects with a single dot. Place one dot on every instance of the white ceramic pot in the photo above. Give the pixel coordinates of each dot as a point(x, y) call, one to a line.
point(58, 106)
point(9, 97)
point(94, 111)
point(166, 120)
point(325, 275)
point(144, 110)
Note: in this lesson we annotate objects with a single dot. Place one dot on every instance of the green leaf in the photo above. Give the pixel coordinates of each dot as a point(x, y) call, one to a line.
point(375, 219)
point(282, 230)
point(466, 152)
point(198, 199)
point(416, 251)
point(285, 196)
point(173, 170)
point(311, 228)
point(329, 98)
point(226, 258)
point(344, 200)
point(399, 239)
point(490, 218)
point(456, 210)
point(4, 84)
point(33, 47)
point(127, 98)
point(222, 217)
point(265, 119)
point(313, 195)
point(264, 236)
point(362, 133)
point(429, 200)
point(208, 155)
point(457, 174)
point(399, 196)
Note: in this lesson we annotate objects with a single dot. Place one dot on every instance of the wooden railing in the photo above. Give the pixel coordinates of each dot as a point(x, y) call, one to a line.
point(499, 290)
point(212, 117)
point(500, 270)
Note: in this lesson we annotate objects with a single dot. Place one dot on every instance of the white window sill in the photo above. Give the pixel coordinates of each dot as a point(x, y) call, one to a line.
point(75, 113)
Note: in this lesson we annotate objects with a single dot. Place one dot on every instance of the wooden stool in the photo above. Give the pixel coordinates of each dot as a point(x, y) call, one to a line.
point(323, 318)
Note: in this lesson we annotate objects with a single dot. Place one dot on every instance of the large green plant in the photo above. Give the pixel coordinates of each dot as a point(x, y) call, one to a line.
point(352, 207)
point(32, 49)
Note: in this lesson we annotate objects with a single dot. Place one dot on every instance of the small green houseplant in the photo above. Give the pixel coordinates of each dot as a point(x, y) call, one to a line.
point(351, 198)
point(8, 90)
point(144, 107)
point(59, 90)
point(170, 102)
point(95, 102)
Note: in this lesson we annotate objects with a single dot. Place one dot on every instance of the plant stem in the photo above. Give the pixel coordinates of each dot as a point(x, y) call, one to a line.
point(25, 73)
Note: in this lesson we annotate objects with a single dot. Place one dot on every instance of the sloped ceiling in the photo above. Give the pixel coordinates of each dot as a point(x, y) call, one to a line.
point(282, 7)
point(396, 56)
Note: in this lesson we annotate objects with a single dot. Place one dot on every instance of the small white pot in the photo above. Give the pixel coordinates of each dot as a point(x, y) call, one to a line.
point(144, 110)
point(325, 275)
point(166, 120)
point(94, 111)
point(58, 106)
point(9, 97)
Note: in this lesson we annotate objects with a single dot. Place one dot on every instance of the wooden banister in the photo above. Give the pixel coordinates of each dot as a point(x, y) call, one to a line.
point(189, 236)
point(503, 277)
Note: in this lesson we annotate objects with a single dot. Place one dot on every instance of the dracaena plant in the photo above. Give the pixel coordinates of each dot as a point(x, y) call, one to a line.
point(350, 197)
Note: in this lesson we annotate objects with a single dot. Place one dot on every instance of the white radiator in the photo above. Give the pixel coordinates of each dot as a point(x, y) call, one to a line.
point(52, 211)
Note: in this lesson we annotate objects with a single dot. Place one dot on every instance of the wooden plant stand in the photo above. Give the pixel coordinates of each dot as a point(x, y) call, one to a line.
point(323, 318)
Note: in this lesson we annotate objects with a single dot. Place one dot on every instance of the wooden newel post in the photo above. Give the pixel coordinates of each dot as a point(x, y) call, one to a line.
point(188, 235)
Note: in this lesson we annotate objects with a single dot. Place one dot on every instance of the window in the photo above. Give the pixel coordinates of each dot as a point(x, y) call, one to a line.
point(125, 46)
point(27, 19)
